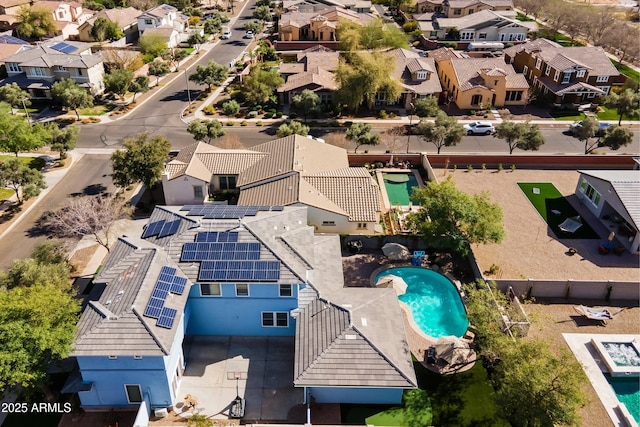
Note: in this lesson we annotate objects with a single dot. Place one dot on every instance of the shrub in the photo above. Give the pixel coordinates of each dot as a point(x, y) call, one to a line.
point(209, 110)
point(293, 115)
point(259, 123)
point(410, 26)
point(494, 269)
point(484, 166)
point(472, 112)
point(278, 114)
point(334, 124)
point(455, 168)
point(243, 123)
point(253, 114)
point(230, 123)
point(469, 168)
point(268, 115)
point(382, 114)
point(513, 168)
point(500, 168)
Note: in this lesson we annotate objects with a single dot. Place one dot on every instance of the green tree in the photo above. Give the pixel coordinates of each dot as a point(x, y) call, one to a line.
point(196, 40)
point(254, 26)
point(16, 135)
point(35, 22)
point(63, 140)
point(360, 133)
point(454, 218)
point(373, 35)
point(292, 128)
point(364, 77)
point(152, 44)
point(212, 25)
point(444, 132)
point(263, 13)
point(174, 56)
point(205, 130)
point(211, 74)
point(139, 85)
point(30, 271)
point(231, 108)
point(26, 182)
point(142, 160)
point(524, 136)
point(586, 131)
point(118, 82)
point(259, 86)
point(426, 107)
point(33, 333)
point(616, 138)
point(70, 95)
point(627, 103)
point(104, 29)
point(14, 96)
point(51, 251)
point(308, 102)
point(158, 69)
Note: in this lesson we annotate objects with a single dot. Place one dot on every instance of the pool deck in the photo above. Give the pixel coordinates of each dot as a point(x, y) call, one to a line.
point(594, 368)
point(383, 189)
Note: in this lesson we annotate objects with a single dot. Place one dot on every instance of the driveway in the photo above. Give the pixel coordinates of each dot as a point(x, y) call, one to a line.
point(260, 367)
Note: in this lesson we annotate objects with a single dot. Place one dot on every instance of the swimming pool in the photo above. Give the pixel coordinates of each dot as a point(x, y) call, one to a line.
point(627, 390)
point(434, 301)
point(399, 187)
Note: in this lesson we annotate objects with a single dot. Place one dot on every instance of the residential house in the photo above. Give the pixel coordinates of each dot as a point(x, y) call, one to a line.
point(313, 70)
point(10, 45)
point(417, 76)
point(612, 196)
point(161, 16)
point(429, 6)
point(68, 16)
point(241, 271)
point(126, 19)
point(9, 10)
point(569, 75)
point(359, 6)
point(485, 25)
point(36, 69)
point(316, 26)
point(475, 83)
point(166, 33)
point(294, 170)
point(459, 8)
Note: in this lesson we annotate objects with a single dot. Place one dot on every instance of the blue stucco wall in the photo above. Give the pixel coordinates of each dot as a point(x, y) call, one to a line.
point(241, 316)
point(356, 395)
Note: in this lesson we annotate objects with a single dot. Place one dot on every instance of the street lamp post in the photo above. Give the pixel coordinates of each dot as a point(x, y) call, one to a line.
point(410, 122)
point(186, 79)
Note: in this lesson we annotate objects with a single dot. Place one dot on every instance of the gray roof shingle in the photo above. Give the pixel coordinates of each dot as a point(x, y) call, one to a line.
point(626, 184)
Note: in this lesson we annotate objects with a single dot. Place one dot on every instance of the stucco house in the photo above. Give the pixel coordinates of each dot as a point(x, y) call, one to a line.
point(68, 16)
point(126, 19)
point(313, 70)
point(161, 16)
point(612, 196)
point(10, 45)
point(316, 26)
point(360, 6)
point(293, 170)
point(36, 69)
point(474, 83)
point(416, 74)
point(241, 271)
point(569, 75)
point(9, 10)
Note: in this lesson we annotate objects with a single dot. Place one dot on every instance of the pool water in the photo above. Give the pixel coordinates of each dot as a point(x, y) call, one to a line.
point(399, 192)
point(434, 301)
point(627, 390)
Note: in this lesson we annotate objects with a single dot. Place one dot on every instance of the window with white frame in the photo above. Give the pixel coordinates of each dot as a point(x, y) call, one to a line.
point(605, 89)
point(566, 76)
point(242, 290)
point(482, 36)
point(466, 35)
point(538, 63)
point(602, 79)
point(328, 223)
point(524, 70)
point(277, 319)
point(591, 194)
point(38, 71)
point(362, 225)
point(148, 22)
point(421, 75)
point(547, 70)
point(556, 75)
point(457, 11)
point(15, 68)
point(285, 290)
point(61, 68)
point(197, 192)
point(79, 72)
point(134, 393)
point(580, 73)
point(210, 289)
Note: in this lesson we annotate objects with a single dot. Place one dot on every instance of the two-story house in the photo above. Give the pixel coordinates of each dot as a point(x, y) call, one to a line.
point(458, 8)
point(313, 70)
point(68, 16)
point(252, 271)
point(475, 83)
point(294, 170)
point(162, 16)
point(570, 75)
point(126, 19)
point(416, 74)
point(10, 45)
point(316, 26)
point(9, 10)
point(36, 69)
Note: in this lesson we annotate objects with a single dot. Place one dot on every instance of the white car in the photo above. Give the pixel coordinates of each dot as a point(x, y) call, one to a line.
point(479, 128)
point(249, 34)
point(226, 35)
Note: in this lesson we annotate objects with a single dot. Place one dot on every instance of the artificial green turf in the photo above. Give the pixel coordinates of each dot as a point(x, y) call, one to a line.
point(5, 193)
point(549, 200)
point(415, 411)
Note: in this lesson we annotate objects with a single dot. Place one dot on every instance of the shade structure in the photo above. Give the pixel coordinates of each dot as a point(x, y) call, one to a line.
point(393, 281)
point(453, 350)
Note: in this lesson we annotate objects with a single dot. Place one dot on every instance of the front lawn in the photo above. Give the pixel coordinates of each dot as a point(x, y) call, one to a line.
point(628, 71)
point(96, 110)
point(33, 162)
point(609, 114)
point(569, 115)
point(5, 193)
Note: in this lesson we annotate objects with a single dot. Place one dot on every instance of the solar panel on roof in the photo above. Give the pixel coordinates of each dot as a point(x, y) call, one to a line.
point(167, 282)
point(169, 228)
point(63, 47)
point(239, 270)
point(167, 317)
point(178, 285)
point(153, 229)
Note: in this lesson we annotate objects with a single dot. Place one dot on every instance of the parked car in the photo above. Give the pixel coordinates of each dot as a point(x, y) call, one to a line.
point(479, 128)
point(249, 34)
point(226, 35)
point(602, 127)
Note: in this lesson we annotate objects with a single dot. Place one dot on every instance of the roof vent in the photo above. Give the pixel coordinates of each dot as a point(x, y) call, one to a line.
point(363, 321)
point(350, 337)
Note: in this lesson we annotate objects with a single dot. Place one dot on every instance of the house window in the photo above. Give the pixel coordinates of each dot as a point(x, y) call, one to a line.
point(38, 71)
point(591, 194)
point(276, 319)
point(285, 290)
point(466, 36)
point(148, 22)
point(60, 15)
point(421, 75)
point(556, 75)
point(134, 393)
point(605, 89)
point(61, 68)
point(197, 192)
point(482, 36)
point(547, 70)
point(328, 223)
point(210, 290)
point(580, 73)
point(566, 77)
point(513, 95)
point(362, 226)
point(15, 68)
point(242, 290)
point(470, 11)
point(524, 70)
point(602, 79)
point(457, 11)
point(538, 63)
point(227, 182)
point(79, 72)
point(476, 99)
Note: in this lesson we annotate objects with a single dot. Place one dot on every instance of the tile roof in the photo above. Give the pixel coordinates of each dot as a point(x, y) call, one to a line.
point(339, 345)
point(468, 71)
point(318, 77)
point(480, 19)
point(443, 53)
point(160, 11)
point(43, 55)
point(7, 49)
point(626, 185)
point(11, 3)
point(409, 62)
point(572, 87)
point(122, 17)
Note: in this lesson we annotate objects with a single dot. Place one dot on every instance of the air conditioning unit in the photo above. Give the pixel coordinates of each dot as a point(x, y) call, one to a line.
point(160, 413)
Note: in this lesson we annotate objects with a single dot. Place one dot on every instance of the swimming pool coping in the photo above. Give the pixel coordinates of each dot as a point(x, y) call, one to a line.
point(594, 368)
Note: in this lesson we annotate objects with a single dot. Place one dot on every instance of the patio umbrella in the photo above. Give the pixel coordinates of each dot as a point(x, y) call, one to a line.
point(453, 350)
point(396, 252)
point(393, 281)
